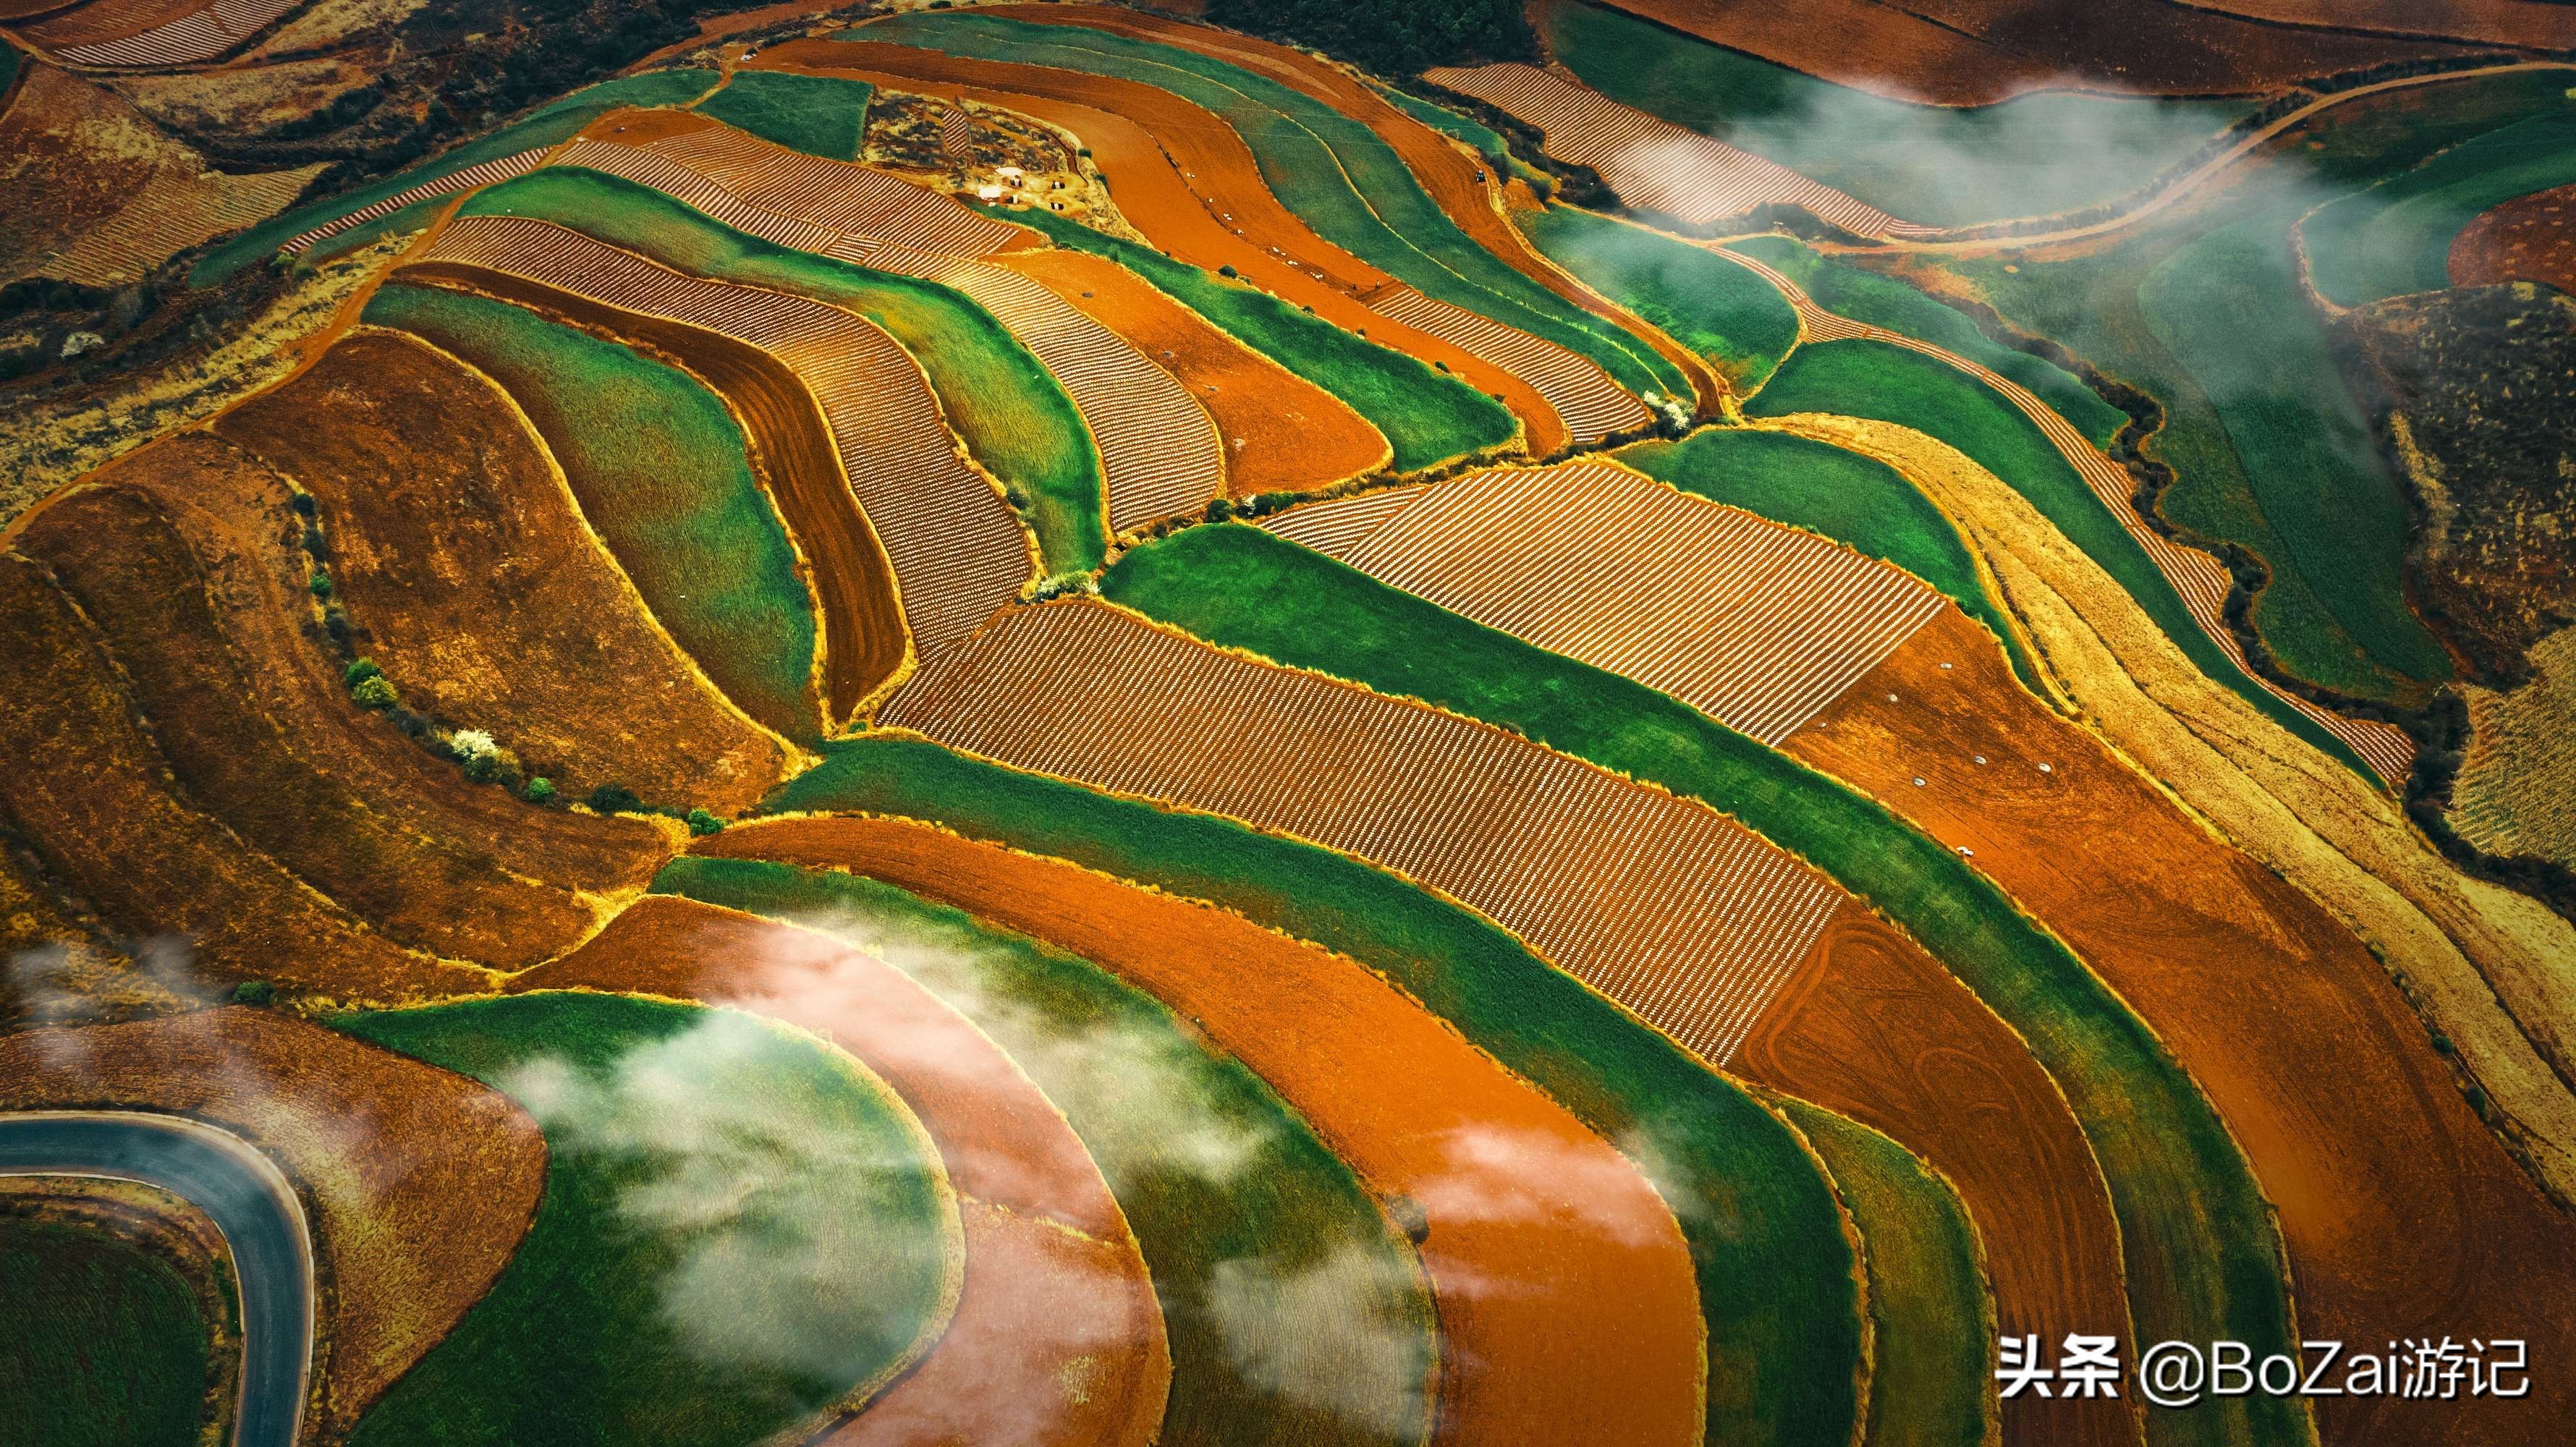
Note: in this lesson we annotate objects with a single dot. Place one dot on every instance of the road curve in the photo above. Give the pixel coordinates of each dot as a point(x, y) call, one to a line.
point(250, 1201)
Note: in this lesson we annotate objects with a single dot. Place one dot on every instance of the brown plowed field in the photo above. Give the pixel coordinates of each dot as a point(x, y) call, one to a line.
point(1449, 175)
point(197, 35)
point(1562, 1283)
point(1186, 180)
point(234, 514)
point(1282, 433)
point(105, 20)
point(1058, 1337)
point(2530, 238)
point(1974, 52)
point(253, 746)
point(477, 586)
point(89, 789)
point(864, 643)
point(958, 551)
point(2503, 22)
point(1661, 903)
point(2402, 1214)
point(1875, 1028)
point(418, 1182)
point(1755, 624)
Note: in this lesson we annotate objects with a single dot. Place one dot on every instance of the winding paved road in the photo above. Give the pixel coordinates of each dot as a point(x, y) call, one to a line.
point(250, 1201)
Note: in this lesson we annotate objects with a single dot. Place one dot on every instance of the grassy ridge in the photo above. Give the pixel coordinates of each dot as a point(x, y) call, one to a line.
point(739, 1226)
point(2091, 303)
point(1158, 1109)
point(1003, 402)
point(1712, 306)
point(1938, 165)
point(1927, 1385)
point(1866, 297)
point(102, 1343)
point(1841, 495)
point(2195, 1230)
point(661, 471)
point(1874, 379)
point(546, 126)
point(1426, 416)
point(1775, 1272)
point(2228, 304)
point(2395, 238)
point(817, 114)
point(1331, 170)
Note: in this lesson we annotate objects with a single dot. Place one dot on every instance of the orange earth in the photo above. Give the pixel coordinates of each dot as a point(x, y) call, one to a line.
point(1058, 1337)
point(1186, 180)
point(2402, 1214)
point(1465, 188)
point(1563, 1287)
point(1876, 1029)
point(863, 633)
point(477, 586)
point(2530, 238)
point(1282, 433)
point(418, 1181)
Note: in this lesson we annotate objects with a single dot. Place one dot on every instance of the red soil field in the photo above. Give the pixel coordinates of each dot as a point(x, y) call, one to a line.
point(346, 802)
point(1057, 1336)
point(1562, 1284)
point(1281, 432)
point(102, 20)
point(1186, 180)
point(2507, 22)
point(1974, 52)
point(864, 644)
point(418, 1182)
point(477, 586)
point(89, 791)
point(2530, 238)
point(1875, 1028)
point(2403, 1215)
point(1755, 624)
point(194, 36)
point(1465, 187)
point(1661, 903)
point(957, 550)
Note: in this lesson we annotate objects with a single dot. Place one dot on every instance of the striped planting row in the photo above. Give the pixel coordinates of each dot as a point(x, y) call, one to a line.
point(1757, 625)
point(486, 174)
point(2201, 579)
point(1653, 164)
point(1661, 903)
point(1590, 404)
point(957, 551)
point(842, 195)
point(956, 134)
point(195, 36)
point(1337, 527)
point(1159, 451)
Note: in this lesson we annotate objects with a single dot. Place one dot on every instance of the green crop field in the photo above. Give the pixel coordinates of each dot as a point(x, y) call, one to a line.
point(1928, 1371)
point(2228, 305)
point(102, 1343)
point(548, 125)
point(816, 114)
point(1012, 415)
point(1225, 1186)
point(1841, 495)
point(1709, 304)
point(659, 468)
point(1774, 1268)
point(2033, 155)
point(1426, 416)
point(2092, 303)
point(2395, 238)
point(740, 1225)
point(1875, 379)
point(1867, 297)
point(2195, 1230)
point(1333, 171)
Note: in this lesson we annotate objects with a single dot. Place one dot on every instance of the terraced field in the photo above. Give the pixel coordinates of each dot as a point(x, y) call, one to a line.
point(1413, 723)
